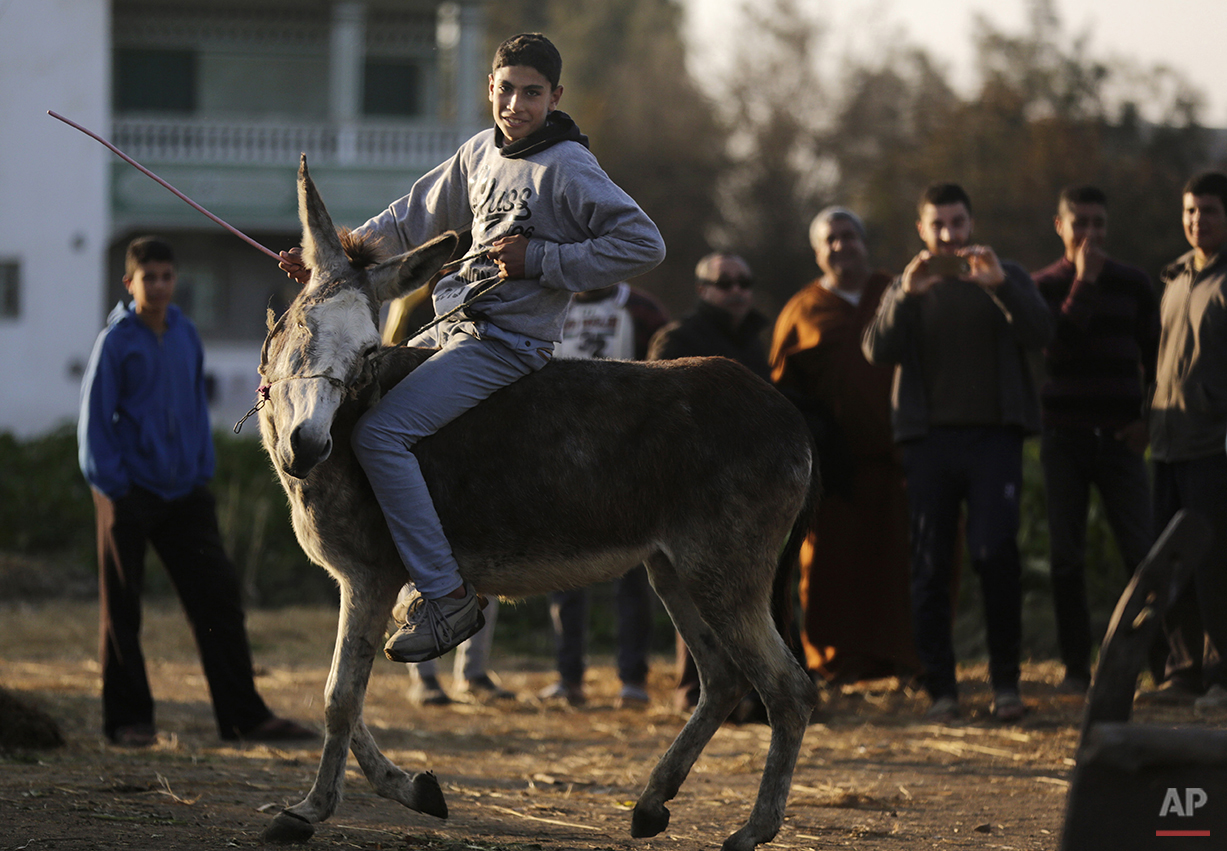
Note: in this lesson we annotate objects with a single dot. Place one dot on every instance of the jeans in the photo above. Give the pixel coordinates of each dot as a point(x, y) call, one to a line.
point(982, 467)
point(473, 363)
point(1196, 618)
point(569, 612)
point(1073, 460)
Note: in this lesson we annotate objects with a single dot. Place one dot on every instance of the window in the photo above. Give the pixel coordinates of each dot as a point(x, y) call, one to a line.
point(10, 289)
point(155, 80)
point(391, 88)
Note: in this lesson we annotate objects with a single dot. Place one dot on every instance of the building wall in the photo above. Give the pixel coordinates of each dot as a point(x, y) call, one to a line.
point(54, 204)
point(275, 78)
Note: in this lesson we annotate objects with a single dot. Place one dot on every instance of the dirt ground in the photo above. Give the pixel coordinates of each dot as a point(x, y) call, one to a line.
point(872, 775)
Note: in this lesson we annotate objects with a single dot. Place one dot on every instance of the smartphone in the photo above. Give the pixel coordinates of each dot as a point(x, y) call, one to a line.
point(948, 265)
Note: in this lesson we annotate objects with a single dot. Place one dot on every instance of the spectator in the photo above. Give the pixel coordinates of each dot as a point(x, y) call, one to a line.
point(725, 323)
point(147, 453)
point(854, 562)
point(614, 322)
point(958, 324)
point(1098, 363)
point(1188, 426)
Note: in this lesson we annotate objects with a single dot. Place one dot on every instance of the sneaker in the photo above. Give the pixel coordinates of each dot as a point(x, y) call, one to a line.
point(1214, 700)
point(945, 710)
point(572, 693)
point(633, 696)
point(1008, 706)
point(433, 627)
point(485, 690)
point(426, 691)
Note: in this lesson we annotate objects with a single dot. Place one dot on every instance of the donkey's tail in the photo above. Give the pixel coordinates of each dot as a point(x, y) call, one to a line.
point(782, 588)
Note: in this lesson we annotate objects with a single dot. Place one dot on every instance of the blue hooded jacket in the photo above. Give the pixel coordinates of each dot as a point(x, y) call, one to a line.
point(144, 414)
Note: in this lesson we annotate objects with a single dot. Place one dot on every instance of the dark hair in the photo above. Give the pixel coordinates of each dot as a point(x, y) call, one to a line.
point(147, 249)
point(1085, 194)
point(1208, 183)
point(944, 193)
point(531, 49)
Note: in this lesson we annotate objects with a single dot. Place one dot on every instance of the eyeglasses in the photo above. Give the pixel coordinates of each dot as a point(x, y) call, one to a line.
point(727, 283)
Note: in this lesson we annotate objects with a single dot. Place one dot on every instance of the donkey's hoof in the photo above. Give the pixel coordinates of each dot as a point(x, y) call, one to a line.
point(645, 822)
point(288, 829)
point(427, 796)
point(746, 840)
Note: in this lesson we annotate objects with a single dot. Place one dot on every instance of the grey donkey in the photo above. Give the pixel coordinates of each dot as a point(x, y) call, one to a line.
point(569, 476)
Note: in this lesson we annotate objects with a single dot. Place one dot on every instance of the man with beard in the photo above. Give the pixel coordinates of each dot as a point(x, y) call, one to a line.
point(958, 325)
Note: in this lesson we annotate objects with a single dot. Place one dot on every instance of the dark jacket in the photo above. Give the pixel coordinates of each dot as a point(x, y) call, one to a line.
point(894, 337)
point(1188, 412)
point(1101, 360)
point(708, 331)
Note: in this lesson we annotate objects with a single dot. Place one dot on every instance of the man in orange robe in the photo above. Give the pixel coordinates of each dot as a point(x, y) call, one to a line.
point(854, 562)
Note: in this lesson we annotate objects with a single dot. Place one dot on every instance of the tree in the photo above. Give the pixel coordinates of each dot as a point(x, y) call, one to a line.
point(777, 179)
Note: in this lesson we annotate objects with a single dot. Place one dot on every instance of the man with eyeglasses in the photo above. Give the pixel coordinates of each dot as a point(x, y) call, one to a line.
point(723, 323)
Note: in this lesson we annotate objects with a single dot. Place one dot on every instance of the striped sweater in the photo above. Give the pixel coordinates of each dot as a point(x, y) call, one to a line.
point(1102, 357)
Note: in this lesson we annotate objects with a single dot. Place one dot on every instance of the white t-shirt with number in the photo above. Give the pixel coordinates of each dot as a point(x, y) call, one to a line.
point(599, 329)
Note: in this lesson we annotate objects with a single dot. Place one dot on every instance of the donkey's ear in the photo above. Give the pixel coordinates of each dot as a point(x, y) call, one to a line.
point(321, 247)
point(398, 276)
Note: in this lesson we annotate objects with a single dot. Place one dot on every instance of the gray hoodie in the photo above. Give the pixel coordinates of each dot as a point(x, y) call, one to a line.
point(584, 232)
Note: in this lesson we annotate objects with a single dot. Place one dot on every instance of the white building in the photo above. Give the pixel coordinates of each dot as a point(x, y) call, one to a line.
point(218, 98)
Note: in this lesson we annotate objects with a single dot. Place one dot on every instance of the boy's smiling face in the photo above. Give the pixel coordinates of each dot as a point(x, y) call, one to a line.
point(522, 98)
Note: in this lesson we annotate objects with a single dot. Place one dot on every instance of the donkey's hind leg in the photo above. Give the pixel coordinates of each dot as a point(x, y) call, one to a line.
point(363, 615)
point(789, 695)
point(723, 686)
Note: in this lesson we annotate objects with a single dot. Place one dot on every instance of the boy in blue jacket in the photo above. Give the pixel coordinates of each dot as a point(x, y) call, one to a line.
point(146, 450)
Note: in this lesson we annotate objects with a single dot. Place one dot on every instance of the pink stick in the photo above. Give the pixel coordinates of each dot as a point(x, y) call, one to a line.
point(173, 190)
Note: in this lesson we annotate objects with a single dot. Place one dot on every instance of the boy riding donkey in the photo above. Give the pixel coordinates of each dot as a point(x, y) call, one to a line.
point(546, 221)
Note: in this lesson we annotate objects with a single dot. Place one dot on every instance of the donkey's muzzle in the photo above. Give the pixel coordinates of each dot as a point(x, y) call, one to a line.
point(306, 451)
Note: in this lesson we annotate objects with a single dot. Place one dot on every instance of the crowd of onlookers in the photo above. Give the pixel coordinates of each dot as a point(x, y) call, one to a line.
point(920, 390)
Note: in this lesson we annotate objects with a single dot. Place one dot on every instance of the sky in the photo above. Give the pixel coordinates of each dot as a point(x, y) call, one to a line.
point(1190, 36)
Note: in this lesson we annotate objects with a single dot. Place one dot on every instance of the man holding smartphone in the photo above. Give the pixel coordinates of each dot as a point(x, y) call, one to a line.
point(959, 325)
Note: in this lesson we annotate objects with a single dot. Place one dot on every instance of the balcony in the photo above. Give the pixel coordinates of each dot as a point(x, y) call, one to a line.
point(244, 171)
point(212, 142)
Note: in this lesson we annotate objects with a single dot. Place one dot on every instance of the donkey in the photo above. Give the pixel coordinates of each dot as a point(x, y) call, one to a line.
point(567, 477)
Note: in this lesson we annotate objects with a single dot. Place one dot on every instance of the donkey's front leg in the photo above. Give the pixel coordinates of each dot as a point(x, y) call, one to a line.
point(363, 615)
point(419, 792)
